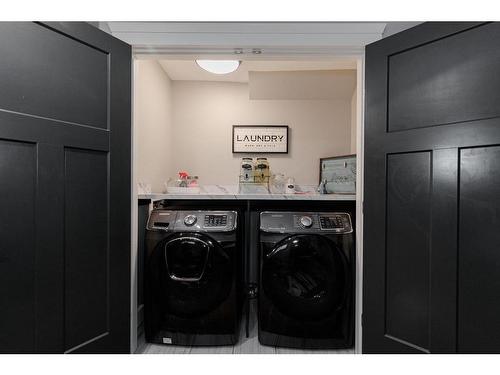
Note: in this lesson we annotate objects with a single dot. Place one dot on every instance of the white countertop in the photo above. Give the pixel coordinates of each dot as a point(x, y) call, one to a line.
point(225, 192)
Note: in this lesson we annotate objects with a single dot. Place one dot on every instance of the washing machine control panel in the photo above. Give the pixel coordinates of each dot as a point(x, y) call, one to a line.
point(190, 221)
point(306, 222)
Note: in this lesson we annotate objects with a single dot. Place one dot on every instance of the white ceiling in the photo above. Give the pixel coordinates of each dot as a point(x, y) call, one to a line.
point(273, 38)
point(188, 70)
point(222, 38)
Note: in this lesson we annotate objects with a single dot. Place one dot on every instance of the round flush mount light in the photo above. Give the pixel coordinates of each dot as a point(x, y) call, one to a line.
point(219, 66)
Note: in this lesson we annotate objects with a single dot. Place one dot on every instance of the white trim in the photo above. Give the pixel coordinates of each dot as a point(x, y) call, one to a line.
point(270, 53)
point(134, 224)
point(360, 151)
point(245, 28)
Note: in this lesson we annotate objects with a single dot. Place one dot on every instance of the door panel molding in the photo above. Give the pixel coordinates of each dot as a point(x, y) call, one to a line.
point(86, 245)
point(67, 80)
point(478, 325)
point(407, 248)
point(434, 94)
point(17, 126)
point(18, 290)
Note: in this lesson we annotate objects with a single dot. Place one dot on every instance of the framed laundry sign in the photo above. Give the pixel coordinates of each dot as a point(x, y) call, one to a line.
point(339, 173)
point(268, 139)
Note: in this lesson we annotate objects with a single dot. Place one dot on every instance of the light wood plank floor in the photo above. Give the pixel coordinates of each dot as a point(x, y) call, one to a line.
point(245, 345)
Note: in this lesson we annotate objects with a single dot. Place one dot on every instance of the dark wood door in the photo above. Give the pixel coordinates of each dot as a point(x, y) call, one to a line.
point(64, 189)
point(432, 191)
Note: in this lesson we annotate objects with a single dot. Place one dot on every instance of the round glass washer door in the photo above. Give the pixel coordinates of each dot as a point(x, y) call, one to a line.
point(196, 274)
point(306, 277)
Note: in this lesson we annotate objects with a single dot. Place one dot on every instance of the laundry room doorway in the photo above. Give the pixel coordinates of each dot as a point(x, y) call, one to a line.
point(183, 115)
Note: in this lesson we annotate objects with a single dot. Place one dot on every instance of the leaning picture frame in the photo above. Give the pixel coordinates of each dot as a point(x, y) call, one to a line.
point(339, 174)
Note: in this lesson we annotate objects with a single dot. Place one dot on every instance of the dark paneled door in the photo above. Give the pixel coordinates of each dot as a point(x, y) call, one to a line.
point(432, 191)
point(64, 189)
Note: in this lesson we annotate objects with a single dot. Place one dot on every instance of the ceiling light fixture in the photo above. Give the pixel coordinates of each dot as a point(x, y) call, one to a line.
point(219, 66)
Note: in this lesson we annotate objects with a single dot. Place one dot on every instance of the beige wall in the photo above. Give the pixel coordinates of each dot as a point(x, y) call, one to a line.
point(152, 124)
point(302, 84)
point(186, 125)
point(203, 115)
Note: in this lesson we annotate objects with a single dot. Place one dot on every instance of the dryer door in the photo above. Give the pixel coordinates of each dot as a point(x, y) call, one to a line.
point(196, 274)
point(306, 277)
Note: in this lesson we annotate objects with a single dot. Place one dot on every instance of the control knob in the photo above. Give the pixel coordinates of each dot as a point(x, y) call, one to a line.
point(190, 220)
point(306, 221)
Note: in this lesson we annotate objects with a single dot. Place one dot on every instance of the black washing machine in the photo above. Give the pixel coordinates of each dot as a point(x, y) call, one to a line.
point(192, 277)
point(307, 267)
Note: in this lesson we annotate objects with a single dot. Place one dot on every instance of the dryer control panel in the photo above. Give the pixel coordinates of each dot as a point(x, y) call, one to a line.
point(336, 222)
point(192, 221)
point(306, 222)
